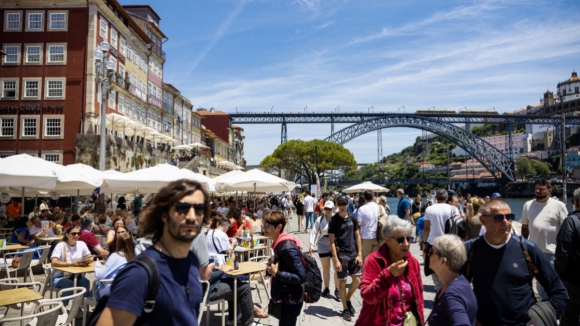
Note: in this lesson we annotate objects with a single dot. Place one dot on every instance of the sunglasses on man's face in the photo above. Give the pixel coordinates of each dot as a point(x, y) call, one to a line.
point(401, 240)
point(497, 218)
point(183, 208)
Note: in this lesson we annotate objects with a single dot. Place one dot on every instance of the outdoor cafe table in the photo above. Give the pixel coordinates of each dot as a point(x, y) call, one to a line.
point(246, 268)
point(74, 270)
point(245, 250)
point(13, 247)
point(19, 295)
point(49, 239)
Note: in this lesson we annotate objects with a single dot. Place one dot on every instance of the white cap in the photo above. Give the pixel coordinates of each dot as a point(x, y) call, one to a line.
point(329, 204)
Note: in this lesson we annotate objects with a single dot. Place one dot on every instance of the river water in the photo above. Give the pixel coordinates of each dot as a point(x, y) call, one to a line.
point(516, 205)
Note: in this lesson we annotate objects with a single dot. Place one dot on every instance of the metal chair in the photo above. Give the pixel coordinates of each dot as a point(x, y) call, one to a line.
point(260, 259)
point(26, 260)
point(46, 315)
point(92, 300)
point(206, 305)
point(75, 300)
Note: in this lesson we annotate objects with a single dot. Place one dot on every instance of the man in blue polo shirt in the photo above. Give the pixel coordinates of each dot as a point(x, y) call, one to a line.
point(404, 206)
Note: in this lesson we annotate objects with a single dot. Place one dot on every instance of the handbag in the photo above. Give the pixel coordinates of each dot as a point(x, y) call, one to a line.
point(410, 319)
point(275, 309)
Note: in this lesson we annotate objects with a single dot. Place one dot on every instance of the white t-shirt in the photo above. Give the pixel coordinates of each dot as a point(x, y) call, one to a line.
point(73, 254)
point(221, 242)
point(43, 206)
point(309, 203)
point(368, 215)
point(438, 214)
point(35, 230)
point(544, 221)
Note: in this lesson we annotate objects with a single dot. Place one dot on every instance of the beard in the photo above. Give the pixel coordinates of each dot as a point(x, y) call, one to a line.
point(187, 235)
point(540, 196)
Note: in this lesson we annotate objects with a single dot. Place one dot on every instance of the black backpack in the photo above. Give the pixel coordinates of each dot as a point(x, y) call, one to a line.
point(313, 286)
point(153, 287)
point(455, 224)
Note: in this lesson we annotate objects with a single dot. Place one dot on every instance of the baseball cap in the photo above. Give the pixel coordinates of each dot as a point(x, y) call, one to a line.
point(341, 199)
point(329, 204)
point(495, 195)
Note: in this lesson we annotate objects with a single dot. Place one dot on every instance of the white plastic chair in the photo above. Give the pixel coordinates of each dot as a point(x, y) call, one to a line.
point(46, 315)
point(27, 255)
point(260, 259)
point(75, 301)
point(42, 254)
point(206, 305)
point(92, 300)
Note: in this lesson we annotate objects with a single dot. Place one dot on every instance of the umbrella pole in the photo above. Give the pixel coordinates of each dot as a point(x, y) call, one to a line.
point(35, 200)
point(23, 203)
point(254, 208)
point(111, 200)
point(76, 211)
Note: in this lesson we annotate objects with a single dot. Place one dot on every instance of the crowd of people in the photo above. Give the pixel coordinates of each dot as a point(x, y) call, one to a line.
point(485, 275)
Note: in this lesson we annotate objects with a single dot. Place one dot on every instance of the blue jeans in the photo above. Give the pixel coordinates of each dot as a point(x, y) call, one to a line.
point(65, 283)
point(309, 217)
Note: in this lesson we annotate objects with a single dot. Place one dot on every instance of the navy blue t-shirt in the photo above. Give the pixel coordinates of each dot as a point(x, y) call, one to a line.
point(173, 305)
point(457, 305)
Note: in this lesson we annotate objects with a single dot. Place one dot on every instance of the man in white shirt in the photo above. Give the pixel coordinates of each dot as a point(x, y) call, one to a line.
point(368, 217)
point(41, 228)
point(541, 220)
point(309, 203)
point(44, 205)
point(435, 217)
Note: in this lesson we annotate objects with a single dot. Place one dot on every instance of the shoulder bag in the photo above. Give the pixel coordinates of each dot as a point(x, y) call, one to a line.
point(410, 319)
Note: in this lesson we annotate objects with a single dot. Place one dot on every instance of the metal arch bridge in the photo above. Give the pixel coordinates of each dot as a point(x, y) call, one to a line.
point(495, 161)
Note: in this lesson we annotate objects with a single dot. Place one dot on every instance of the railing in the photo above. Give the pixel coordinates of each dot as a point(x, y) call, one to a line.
point(155, 101)
point(137, 92)
point(158, 50)
point(118, 79)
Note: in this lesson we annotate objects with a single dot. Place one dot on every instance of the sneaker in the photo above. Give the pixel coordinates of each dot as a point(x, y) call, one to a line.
point(350, 308)
point(336, 295)
point(326, 292)
point(346, 315)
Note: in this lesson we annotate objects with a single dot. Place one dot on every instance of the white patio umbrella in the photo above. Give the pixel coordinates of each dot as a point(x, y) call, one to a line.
point(227, 164)
point(24, 170)
point(182, 147)
point(367, 185)
point(227, 176)
point(198, 145)
point(152, 179)
point(255, 180)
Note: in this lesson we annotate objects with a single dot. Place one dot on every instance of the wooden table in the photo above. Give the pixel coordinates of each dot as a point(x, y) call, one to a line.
point(246, 268)
point(49, 239)
point(14, 247)
point(20, 295)
point(245, 250)
point(73, 270)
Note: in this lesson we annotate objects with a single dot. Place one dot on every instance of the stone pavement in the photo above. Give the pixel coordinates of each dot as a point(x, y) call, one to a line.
point(327, 310)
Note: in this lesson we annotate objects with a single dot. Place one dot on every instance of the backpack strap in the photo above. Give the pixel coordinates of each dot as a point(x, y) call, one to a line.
point(153, 285)
point(533, 269)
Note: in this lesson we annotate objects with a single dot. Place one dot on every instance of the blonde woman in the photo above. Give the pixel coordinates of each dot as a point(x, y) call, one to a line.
point(300, 211)
point(473, 222)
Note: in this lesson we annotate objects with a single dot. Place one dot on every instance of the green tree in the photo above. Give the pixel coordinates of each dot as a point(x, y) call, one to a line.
point(542, 168)
point(308, 158)
point(524, 168)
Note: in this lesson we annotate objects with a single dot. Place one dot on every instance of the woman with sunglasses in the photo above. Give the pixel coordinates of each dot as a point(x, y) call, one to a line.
point(70, 253)
point(455, 304)
point(391, 288)
point(125, 251)
point(319, 238)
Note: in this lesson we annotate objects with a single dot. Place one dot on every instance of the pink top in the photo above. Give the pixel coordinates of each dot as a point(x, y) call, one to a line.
point(397, 313)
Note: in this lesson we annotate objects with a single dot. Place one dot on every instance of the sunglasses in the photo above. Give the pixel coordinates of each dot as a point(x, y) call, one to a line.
point(433, 252)
point(497, 218)
point(401, 240)
point(75, 233)
point(183, 208)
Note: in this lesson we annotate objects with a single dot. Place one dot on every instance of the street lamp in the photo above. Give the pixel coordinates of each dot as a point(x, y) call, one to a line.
point(103, 70)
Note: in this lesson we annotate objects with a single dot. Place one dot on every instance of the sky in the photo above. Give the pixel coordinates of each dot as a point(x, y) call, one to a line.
point(364, 55)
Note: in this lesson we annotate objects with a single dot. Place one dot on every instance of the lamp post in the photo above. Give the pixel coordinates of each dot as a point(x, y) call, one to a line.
point(103, 70)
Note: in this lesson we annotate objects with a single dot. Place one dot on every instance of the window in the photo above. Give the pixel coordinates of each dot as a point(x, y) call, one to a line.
point(53, 126)
point(12, 54)
point(55, 89)
point(104, 29)
point(127, 107)
point(35, 21)
point(33, 54)
point(120, 103)
point(114, 38)
point(52, 157)
point(31, 88)
point(12, 21)
point(129, 52)
point(115, 61)
point(112, 99)
point(122, 71)
point(56, 54)
point(122, 46)
point(9, 89)
point(29, 126)
point(8, 126)
point(57, 20)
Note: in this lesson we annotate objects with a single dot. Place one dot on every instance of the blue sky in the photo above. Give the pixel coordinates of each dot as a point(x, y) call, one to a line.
point(324, 54)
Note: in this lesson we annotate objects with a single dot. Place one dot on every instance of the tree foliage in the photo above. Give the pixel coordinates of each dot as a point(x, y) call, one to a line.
point(524, 168)
point(542, 168)
point(305, 158)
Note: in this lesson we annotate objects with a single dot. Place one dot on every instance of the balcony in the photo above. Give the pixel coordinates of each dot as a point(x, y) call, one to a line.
point(137, 92)
point(117, 78)
point(155, 101)
point(158, 50)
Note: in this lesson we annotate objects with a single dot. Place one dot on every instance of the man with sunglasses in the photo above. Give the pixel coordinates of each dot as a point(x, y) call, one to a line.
point(501, 277)
point(346, 249)
point(174, 220)
point(541, 220)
